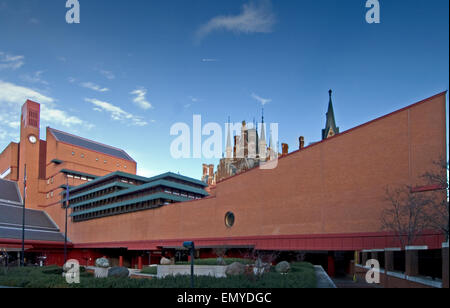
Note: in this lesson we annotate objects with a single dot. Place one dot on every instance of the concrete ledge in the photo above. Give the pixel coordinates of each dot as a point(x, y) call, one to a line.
point(445, 245)
point(323, 280)
point(420, 280)
point(199, 270)
point(425, 281)
point(370, 268)
point(397, 275)
point(393, 249)
point(416, 248)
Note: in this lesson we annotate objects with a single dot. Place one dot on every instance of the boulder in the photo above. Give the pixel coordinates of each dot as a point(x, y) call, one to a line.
point(261, 267)
point(165, 261)
point(100, 272)
point(118, 272)
point(235, 269)
point(102, 262)
point(283, 267)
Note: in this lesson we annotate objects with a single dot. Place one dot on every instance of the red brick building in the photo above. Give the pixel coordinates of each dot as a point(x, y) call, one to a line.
point(326, 197)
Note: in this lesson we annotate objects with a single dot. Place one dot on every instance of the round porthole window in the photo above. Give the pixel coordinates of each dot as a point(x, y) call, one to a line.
point(229, 219)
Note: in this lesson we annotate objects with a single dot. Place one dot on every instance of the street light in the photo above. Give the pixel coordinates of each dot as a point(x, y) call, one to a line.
point(191, 247)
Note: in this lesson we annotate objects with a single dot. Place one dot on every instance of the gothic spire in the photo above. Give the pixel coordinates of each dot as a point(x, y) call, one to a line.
point(330, 127)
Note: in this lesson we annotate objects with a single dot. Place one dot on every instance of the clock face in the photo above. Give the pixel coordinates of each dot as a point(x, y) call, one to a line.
point(32, 139)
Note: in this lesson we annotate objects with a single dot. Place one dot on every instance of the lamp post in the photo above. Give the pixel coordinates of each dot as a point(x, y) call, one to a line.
point(191, 247)
point(22, 257)
point(65, 232)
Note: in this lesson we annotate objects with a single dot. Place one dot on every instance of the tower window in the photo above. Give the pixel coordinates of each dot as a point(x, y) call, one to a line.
point(33, 118)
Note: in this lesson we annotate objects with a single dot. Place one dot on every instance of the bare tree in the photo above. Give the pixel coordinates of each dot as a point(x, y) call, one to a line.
point(406, 214)
point(438, 215)
point(412, 211)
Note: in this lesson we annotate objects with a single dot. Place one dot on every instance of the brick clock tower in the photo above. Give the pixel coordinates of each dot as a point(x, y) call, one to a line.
point(29, 150)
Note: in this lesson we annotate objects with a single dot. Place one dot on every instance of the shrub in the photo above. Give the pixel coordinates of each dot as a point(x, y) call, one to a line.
point(302, 275)
point(152, 270)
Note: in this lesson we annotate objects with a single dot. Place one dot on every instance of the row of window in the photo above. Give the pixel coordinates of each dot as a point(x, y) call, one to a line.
point(104, 161)
point(176, 193)
point(76, 177)
point(122, 210)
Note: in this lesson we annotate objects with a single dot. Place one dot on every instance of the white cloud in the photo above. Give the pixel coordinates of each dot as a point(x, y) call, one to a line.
point(60, 117)
point(94, 87)
point(12, 97)
point(116, 113)
point(194, 99)
point(253, 19)
point(141, 99)
point(263, 101)
point(210, 60)
point(13, 62)
point(14, 124)
point(34, 78)
point(107, 74)
point(3, 134)
point(14, 94)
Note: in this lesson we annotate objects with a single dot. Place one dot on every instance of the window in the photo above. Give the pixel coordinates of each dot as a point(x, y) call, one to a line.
point(82, 155)
point(51, 194)
point(229, 219)
point(73, 153)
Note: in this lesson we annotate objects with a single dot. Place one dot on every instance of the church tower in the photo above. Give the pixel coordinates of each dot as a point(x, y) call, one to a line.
point(229, 149)
point(262, 141)
point(330, 127)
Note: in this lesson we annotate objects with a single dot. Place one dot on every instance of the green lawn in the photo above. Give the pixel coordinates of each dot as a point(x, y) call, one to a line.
point(302, 275)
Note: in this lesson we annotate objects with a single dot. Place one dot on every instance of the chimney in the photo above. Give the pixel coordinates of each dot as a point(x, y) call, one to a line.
point(301, 142)
point(285, 148)
point(205, 170)
point(211, 170)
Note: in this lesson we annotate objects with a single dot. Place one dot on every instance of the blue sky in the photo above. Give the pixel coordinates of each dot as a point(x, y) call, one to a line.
point(131, 69)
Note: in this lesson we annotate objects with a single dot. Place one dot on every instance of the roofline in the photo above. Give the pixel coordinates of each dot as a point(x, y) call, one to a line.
point(182, 177)
point(136, 189)
point(107, 176)
point(85, 139)
point(345, 132)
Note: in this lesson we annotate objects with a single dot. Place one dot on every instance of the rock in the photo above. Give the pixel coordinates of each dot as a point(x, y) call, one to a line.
point(220, 261)
point(118, 272)
point(235, 269)
point(101, 272)
point(283, 267)
point(165, 261)
point(261, 267)
point(102, 262)
point(66, 267)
